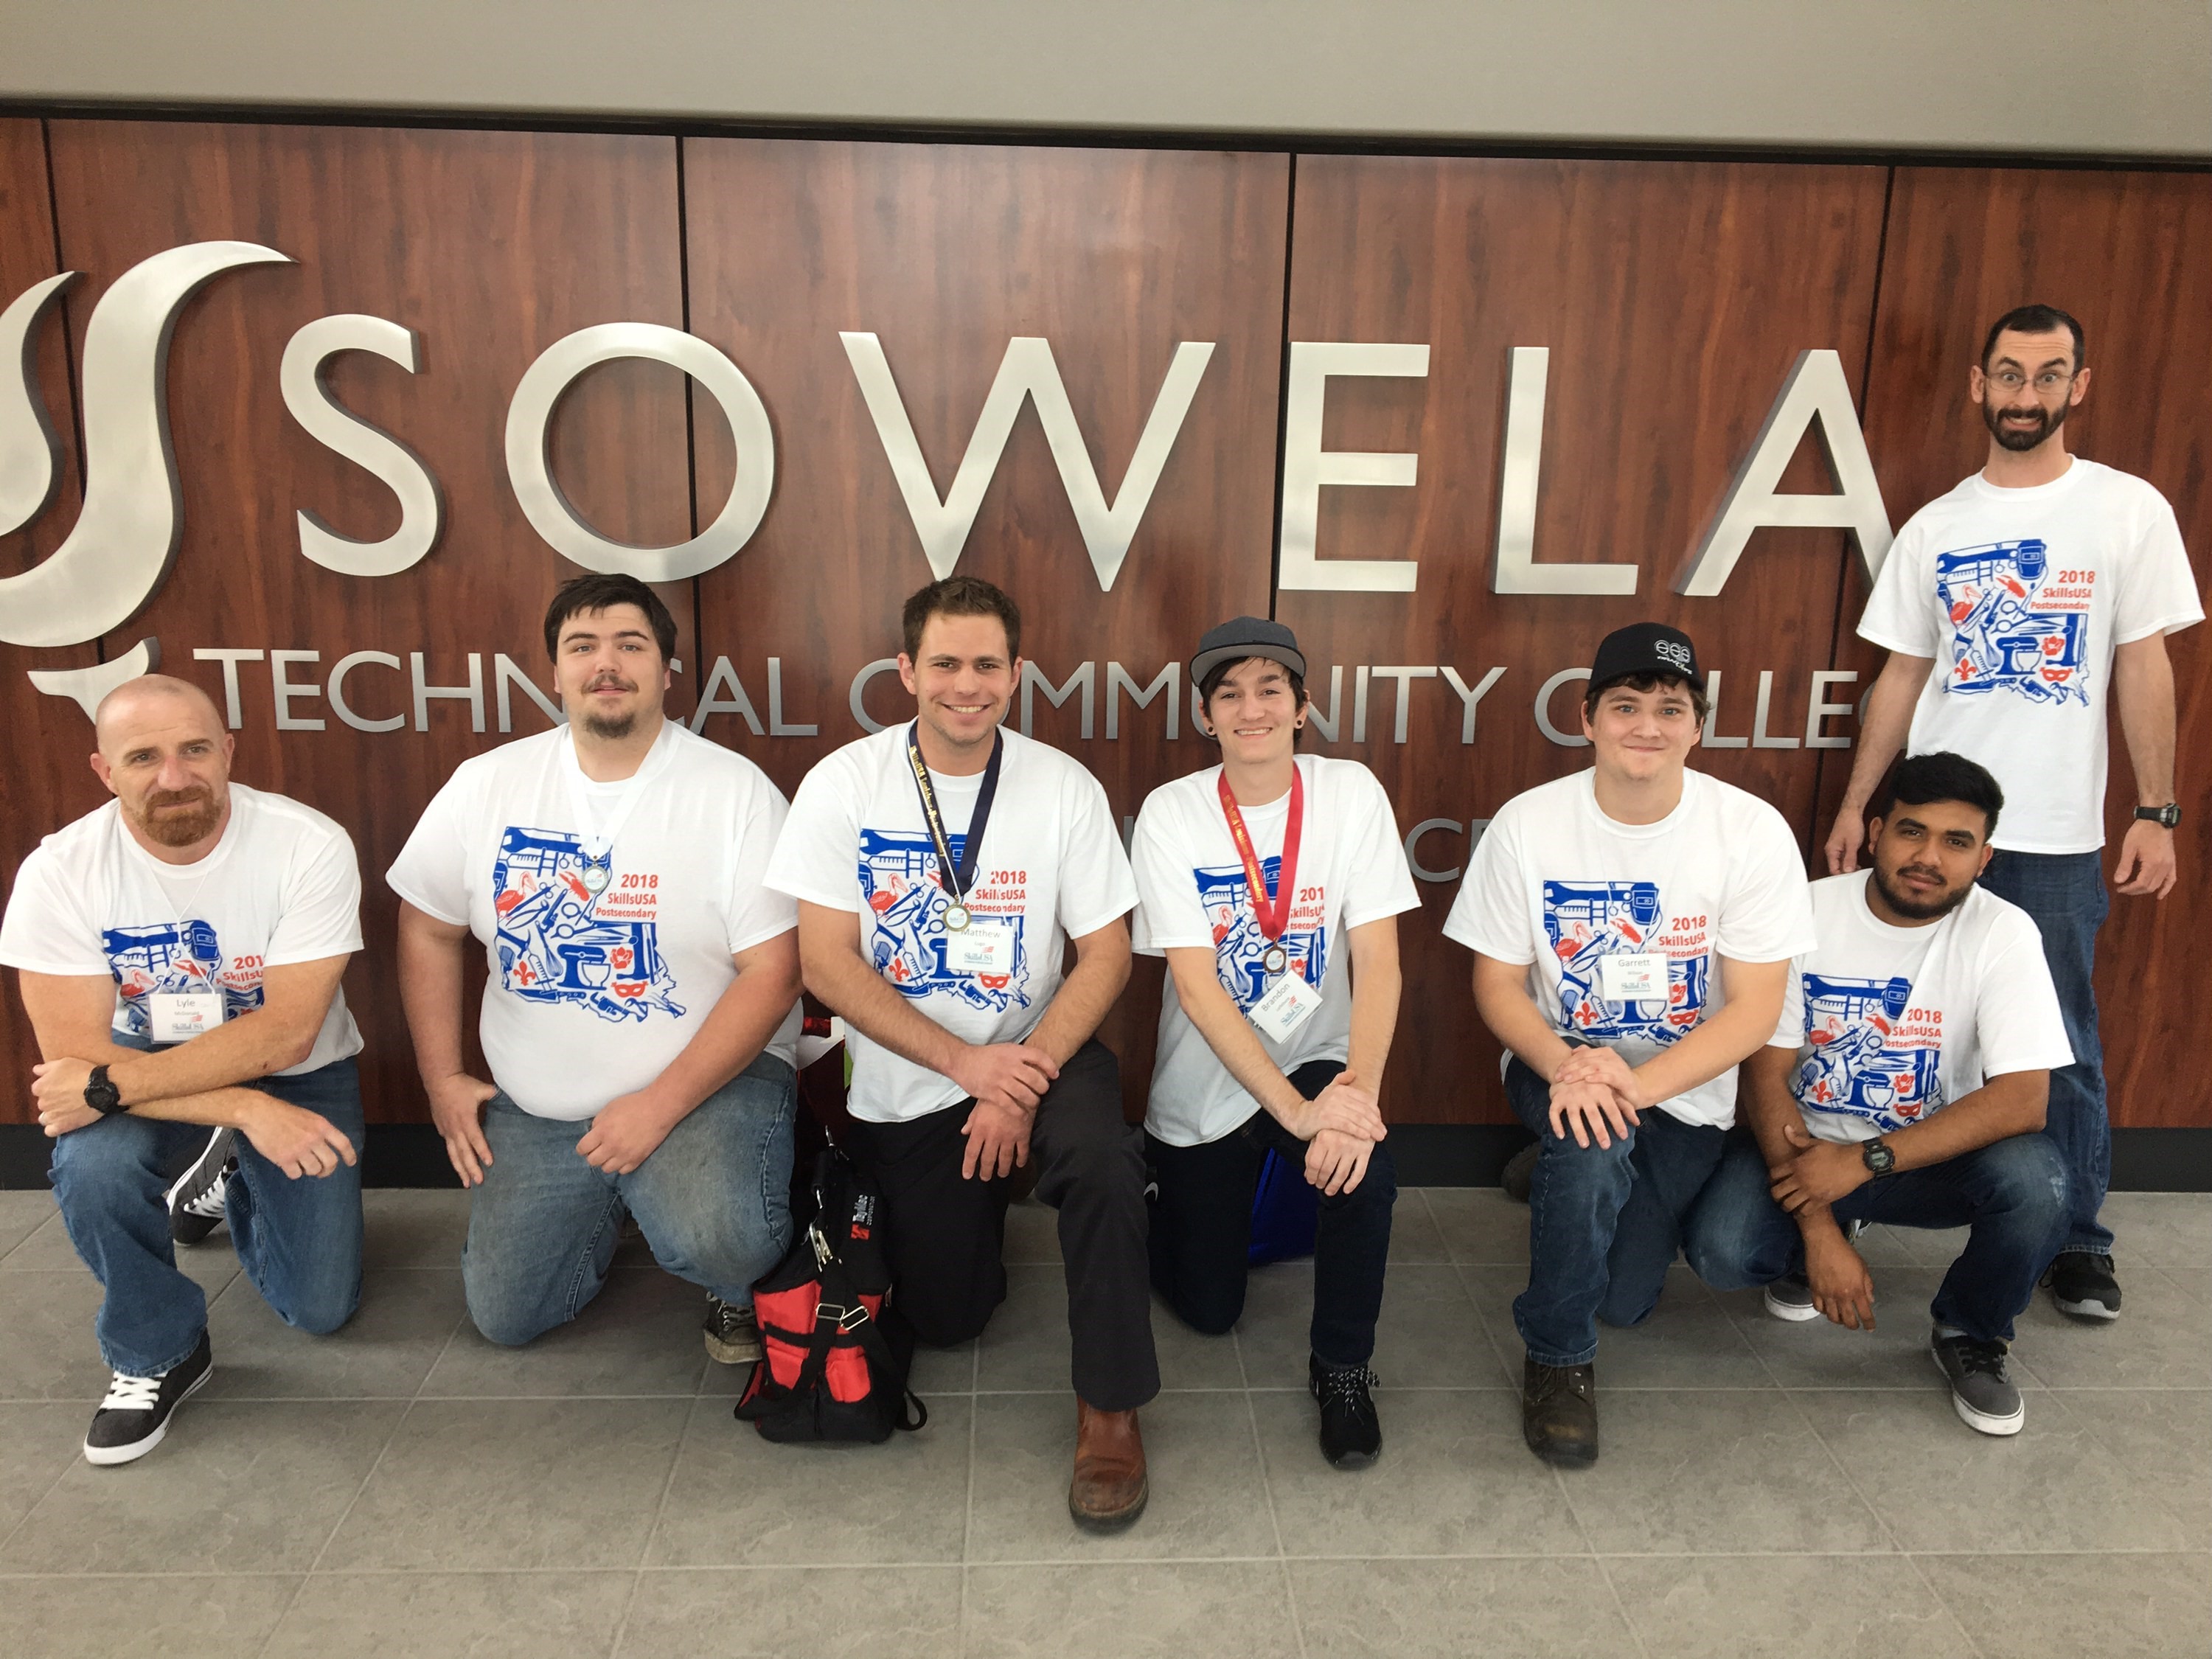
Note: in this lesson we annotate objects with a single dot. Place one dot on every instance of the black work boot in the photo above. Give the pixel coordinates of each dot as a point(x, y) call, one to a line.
point(1558, 1412)
point(1350, 1433)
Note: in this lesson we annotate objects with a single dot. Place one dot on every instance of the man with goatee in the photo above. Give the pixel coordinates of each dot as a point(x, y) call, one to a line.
point(179, 951)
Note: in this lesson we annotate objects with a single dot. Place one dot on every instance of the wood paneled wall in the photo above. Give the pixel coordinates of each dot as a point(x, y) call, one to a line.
point(1673, 297)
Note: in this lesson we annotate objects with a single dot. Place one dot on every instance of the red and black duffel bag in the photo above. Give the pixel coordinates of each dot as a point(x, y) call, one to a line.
point(837, 1369)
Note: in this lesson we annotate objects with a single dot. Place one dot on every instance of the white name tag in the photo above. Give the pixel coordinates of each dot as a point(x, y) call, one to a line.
point(179, 1016)
point(981, 947)
point(1289, 1003)
point(1639, 976)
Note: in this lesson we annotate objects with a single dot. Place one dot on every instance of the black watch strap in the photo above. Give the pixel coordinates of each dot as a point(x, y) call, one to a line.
point(2168, 815)
point(100, 1095)
point(1877, 1156)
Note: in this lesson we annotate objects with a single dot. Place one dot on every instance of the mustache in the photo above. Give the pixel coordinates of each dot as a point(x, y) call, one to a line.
point(193, 796)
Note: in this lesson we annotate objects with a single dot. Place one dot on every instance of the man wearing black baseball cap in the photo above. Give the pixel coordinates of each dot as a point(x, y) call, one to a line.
point(1632, 926)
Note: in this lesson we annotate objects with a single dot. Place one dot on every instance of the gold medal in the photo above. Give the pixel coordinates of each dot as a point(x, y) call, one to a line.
point(955, 918)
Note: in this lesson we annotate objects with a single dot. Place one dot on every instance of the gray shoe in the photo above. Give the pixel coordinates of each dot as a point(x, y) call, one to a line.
point(732, 1333)
point(1981, 1388)
point(1791, 1298)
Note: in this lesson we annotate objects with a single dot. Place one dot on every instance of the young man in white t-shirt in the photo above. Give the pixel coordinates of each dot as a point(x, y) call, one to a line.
point(2018, 611)
point(1632, 926)
point(179, 951)
point(942, 867)
point(641, 1014)
point(1273, 884)
point(1905, 1084)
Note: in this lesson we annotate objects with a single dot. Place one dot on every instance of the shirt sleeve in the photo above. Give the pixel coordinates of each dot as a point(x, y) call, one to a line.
point(817, 851)
point(1900, 614)
point(46, 929)
point(1769, 912)
point(757, 912)
point(2018, 1025)
point(1789, 1030)
point(321, 916)
point(2158, 590)
point(1491, 914)
point(1379, 883)
point(1170, 915)
point(1095, 885)
point(432, 871)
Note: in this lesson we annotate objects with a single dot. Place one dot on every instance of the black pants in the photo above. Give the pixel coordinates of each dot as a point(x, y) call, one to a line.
point(947, 1236)
point(1202, 1231)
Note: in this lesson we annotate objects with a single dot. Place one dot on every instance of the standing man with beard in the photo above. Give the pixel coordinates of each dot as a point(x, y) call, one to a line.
point(2045, 584)
point(179, 952)
point(1905, 1085)
point(641, 1015)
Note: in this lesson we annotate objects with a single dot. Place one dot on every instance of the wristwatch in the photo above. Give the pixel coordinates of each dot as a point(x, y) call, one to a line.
point(1880, 1160)
point(100, 1095)
point(2165, 816)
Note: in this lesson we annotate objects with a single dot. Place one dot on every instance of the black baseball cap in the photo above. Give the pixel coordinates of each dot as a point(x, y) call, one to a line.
point(1247, 637)
point(1644, 649)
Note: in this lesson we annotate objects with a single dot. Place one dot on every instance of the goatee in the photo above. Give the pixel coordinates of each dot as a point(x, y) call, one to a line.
point(1920, 909)
point(2022, 440)
point(178, 829)
point(612, 727)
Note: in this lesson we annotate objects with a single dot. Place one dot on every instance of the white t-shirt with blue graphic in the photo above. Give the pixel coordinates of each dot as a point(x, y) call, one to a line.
point(1191, 891)
point(282, 887)
point(1558, 884)
point(2020, 597)
point(604, 954)
point(1890, 1025)
point(1050, 869)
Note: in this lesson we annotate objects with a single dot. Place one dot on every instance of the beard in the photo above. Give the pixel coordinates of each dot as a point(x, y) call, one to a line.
point(1920, 909)
point(2022, 440)
point(612, 727)
point(174, 827)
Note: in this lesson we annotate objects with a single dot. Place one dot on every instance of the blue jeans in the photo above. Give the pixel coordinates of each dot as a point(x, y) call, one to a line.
point(298, 1241)
point(1604, 1223)
point(2065, 893)
point(713, 1202)
point(2012, 1195)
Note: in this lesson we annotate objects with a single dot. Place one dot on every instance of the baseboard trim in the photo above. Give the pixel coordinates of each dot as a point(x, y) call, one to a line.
point(1428, 1155)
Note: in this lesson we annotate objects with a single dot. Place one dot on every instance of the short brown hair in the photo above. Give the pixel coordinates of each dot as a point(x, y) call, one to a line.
point(598, 592)
point(1210, 682)
point(1649, 683)
point(959, 596)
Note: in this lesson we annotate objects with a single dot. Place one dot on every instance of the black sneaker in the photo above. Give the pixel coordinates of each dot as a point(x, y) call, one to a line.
point(1982, 1390)
point(2082, 1285)
point(1558, 1412)
point(196, 1200)
point(134, 1417)
point(1351, 1433)
point(733, 1335)
point(1520, 1171)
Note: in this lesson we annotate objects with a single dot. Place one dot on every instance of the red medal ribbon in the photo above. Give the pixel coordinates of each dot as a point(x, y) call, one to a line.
point(1272, 911)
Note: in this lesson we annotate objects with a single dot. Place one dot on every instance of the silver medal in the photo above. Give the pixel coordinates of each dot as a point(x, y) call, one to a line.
point(596, 877)
point(1276, 959)
point(955, 918)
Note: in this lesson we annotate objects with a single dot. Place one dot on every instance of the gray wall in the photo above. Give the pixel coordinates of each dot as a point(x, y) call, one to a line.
point(2124, 77)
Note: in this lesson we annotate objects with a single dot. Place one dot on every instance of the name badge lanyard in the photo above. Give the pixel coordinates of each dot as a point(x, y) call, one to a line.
point(598, 866)
point(1272, 911)
point(956, 880)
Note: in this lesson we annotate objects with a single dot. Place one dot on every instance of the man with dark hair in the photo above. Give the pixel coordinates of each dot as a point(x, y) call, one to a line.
point(941, 870)
point(641, 1015)
point(1632, 926)
point(2046, 585)
point(1905, 1084)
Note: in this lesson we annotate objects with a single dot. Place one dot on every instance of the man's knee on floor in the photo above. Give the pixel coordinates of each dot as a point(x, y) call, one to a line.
point(724, 1240)
point(508, 1324)
point(320, 1315)
point(1624, 1310)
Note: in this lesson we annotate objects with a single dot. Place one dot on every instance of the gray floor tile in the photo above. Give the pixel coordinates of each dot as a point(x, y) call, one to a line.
point(212, 1264)
point(1454, 1479)
point(2195, 1283)
point(233, 1485)
point(199, 1618)
point(49, 1352)
point(21, 1214)
point(384, 1352)
point(737, 1500)
point(1174, 1610)
point(1207, 1498)
point(2161, 1436)
point(434, 1615)
point(38, 1444)
point(1032, 1234)
point(1414, 1235)
point(640, 1336)
point(2064, 1607)
point(2051, 1486)
point(1932, 1247)
point(1818, 1354)
point(413, 1227)
point(795, 1612)
point(1785, 1606)
point(1690, 1341)
point(1429, 1335)
point(1703, 1471)
point(470, 1486)
point(1025, 1345)
point(2167, 1230)
point(1481, 1226)
point(2162, 1340)
point(1893, 1247)
point(1500, 1609)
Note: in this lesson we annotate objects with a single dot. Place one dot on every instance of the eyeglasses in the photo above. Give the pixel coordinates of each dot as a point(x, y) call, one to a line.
point(2009, 381)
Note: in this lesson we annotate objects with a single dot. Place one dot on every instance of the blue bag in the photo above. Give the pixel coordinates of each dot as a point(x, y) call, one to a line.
point(1285, 1210)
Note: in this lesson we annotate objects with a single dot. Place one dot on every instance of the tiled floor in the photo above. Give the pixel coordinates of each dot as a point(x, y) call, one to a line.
point(405, 1488)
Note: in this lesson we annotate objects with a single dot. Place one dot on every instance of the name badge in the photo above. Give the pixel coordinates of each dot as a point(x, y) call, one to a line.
point(1289, 1003)
point(983, 947)
point(1638, 976)
point(179, 1016)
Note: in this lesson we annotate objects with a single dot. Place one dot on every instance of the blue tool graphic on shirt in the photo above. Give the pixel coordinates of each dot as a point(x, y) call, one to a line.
point(1587, 922)
point(553, 946)
point(1238, 943)
point(899, 879)
point(2009, 631)
point(1860, 1065)
point(166, 958)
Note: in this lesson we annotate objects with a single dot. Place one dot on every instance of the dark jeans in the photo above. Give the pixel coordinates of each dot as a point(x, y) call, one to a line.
point(299, 1241)
point(2065, 893)
point(1605, 1223)
point(2011, 1195)
point(1202, 1231)
point(945, 1236)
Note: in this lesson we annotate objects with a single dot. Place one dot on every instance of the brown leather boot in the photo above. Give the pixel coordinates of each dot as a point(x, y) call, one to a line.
point(1109, 1488)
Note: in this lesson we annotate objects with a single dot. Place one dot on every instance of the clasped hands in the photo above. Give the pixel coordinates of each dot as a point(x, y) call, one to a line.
point(1596, 1095)
point(1339, 1126)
